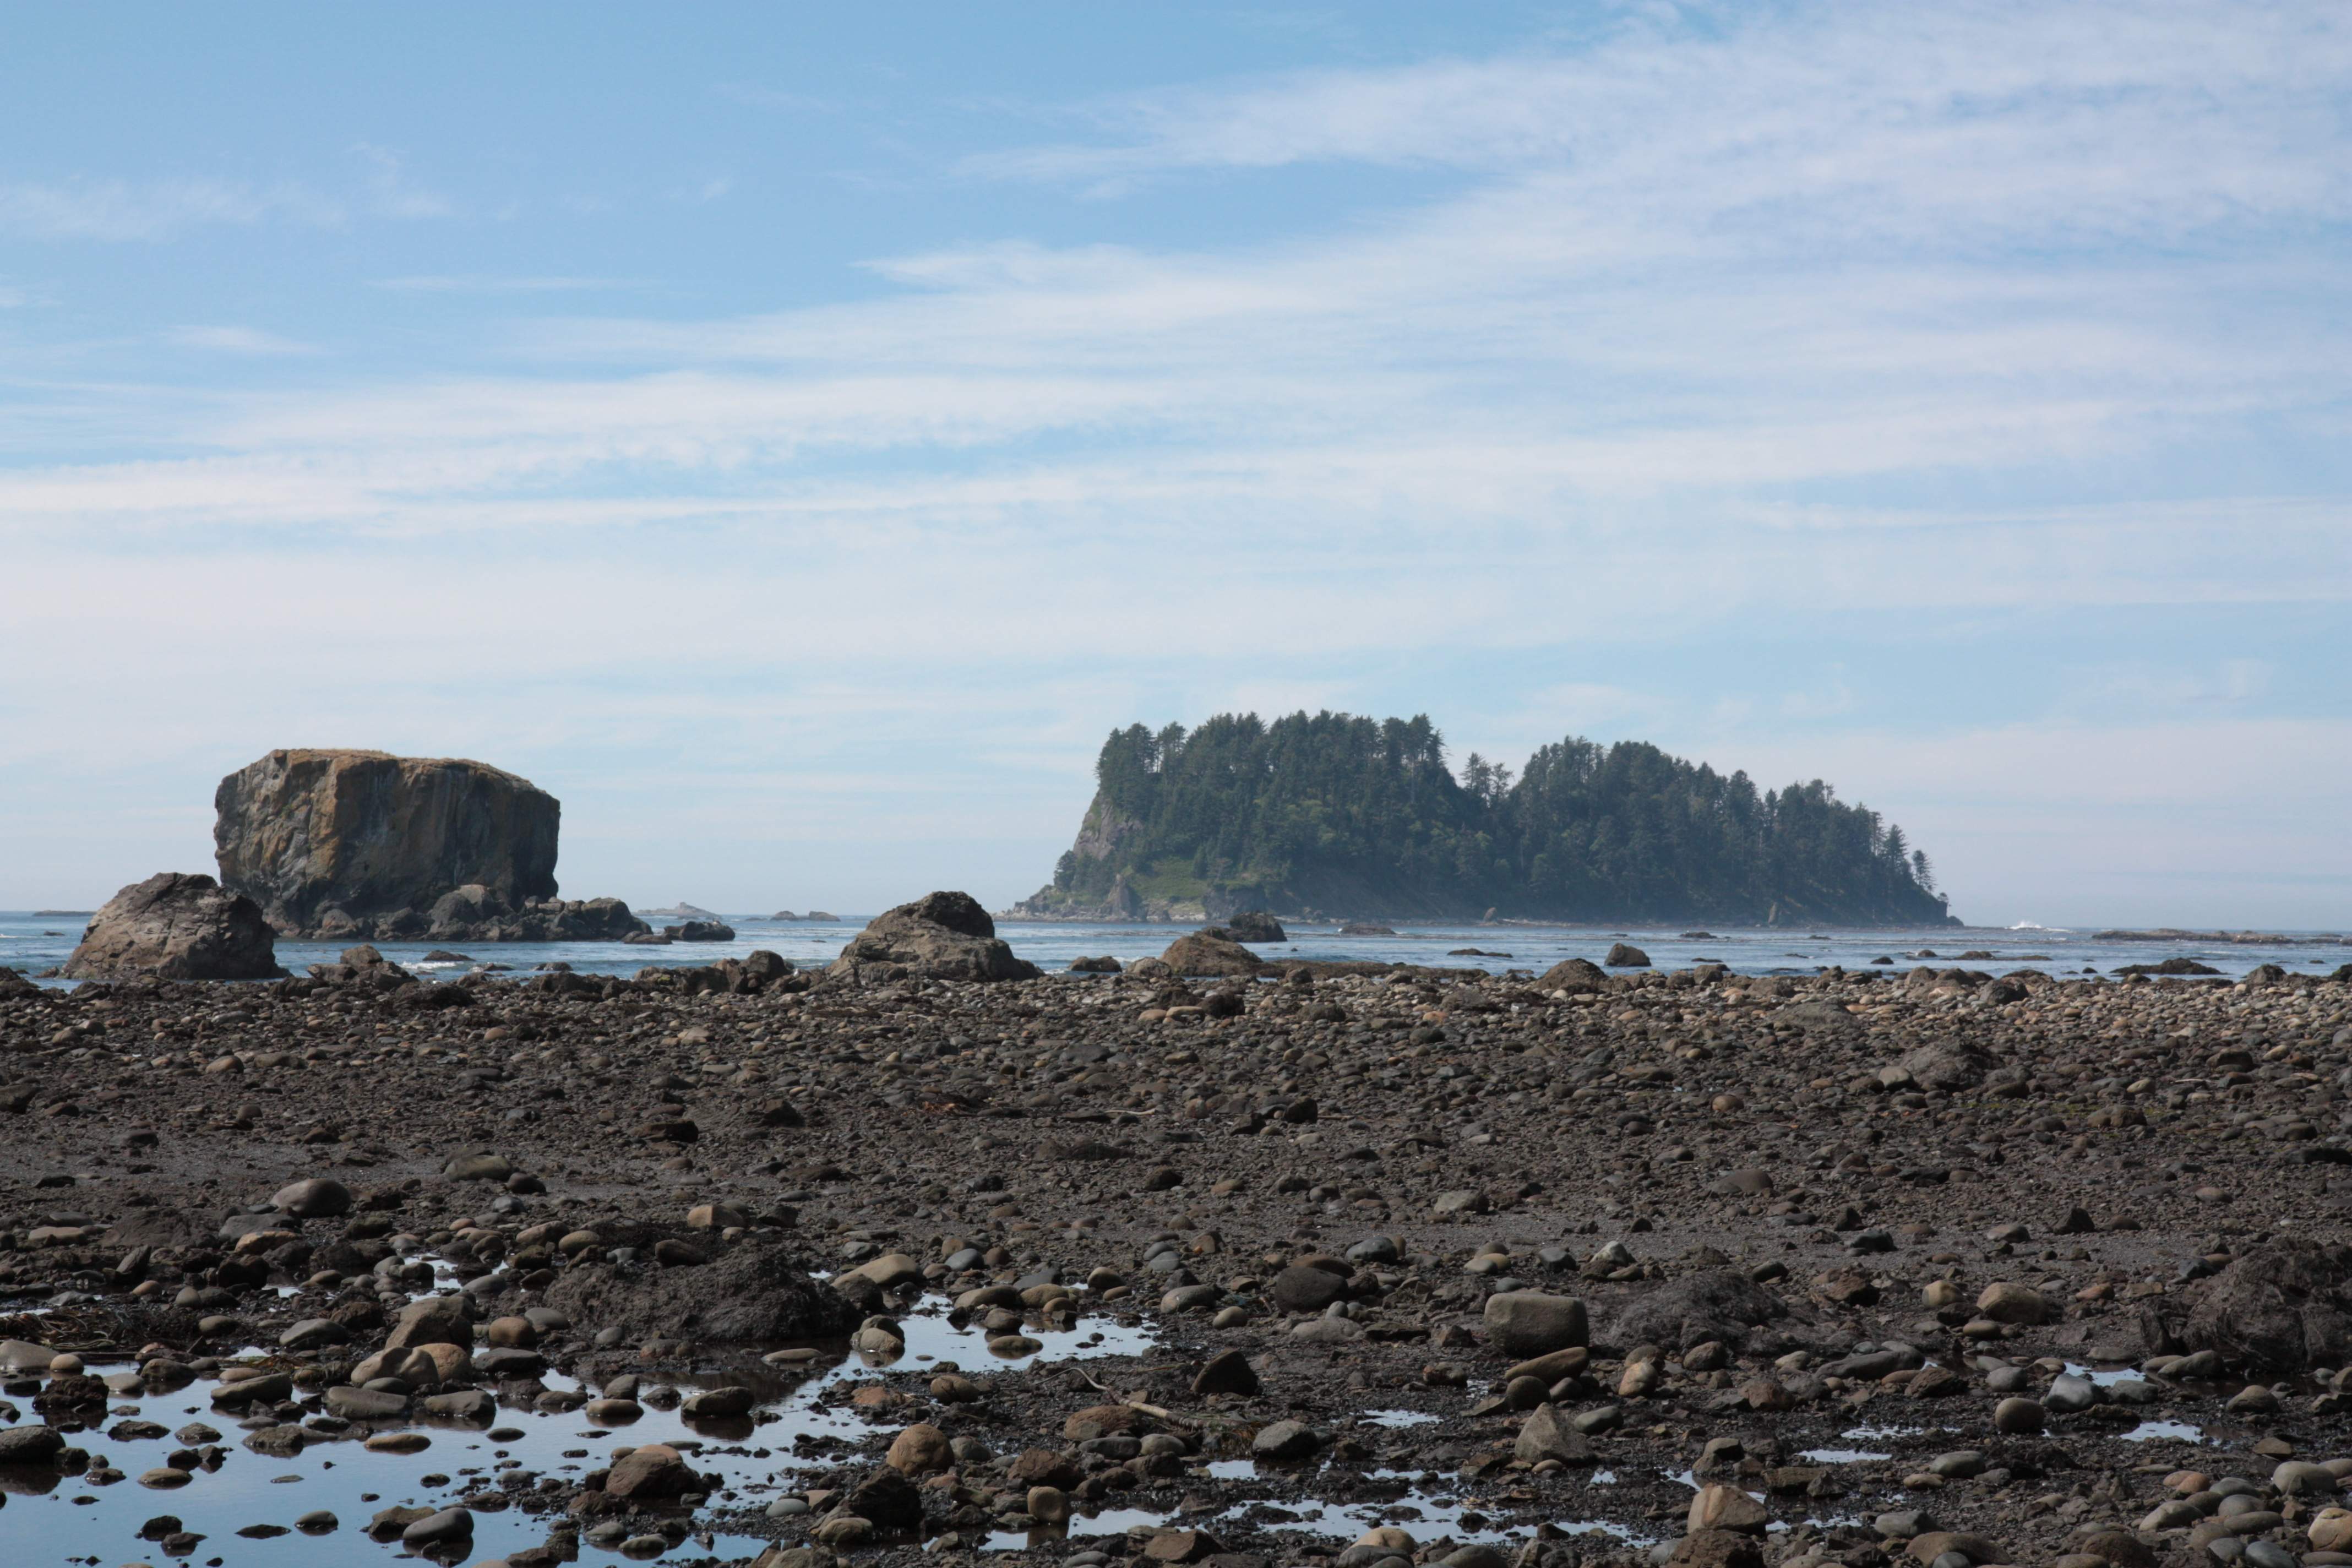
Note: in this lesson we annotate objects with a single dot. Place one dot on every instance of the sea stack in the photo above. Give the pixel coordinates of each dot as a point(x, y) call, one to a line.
point(338, 846)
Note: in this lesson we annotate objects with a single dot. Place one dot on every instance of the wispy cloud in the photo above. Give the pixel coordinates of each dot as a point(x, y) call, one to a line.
point(450, 283)
point(1996, 112)
point(239, 341)
point(394, 194)
point(761, 96)
point(152, 210)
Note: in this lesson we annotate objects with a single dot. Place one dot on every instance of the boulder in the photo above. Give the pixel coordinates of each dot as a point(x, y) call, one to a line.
point(319, 1197)
point(1546, 1435)
point(13, 983)
point(431, 1320)
point(30, 1444)
point(1303, 1287)
point(1625, 955)
point(752, 1291)
point(1720, 1304)
point(651, 1470)
point(2282, 1307)
point(940, 936)
point(1947, 1066)
point(1255, 925)
point(1574, 975)
point(2006, 1301)
point(1721, 1507)
point(176, 926)
point(919, 1450)
point(1533, 1323)
point(889, 1499)
point(1211, 952)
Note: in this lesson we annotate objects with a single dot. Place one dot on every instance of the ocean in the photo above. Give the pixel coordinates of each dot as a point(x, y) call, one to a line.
point(33, 942)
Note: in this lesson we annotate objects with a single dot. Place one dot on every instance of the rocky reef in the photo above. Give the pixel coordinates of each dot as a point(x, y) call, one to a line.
point(176, 926)
point(345, 845)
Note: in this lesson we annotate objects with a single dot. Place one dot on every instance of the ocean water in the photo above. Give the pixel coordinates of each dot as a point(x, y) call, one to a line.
point(32, 943)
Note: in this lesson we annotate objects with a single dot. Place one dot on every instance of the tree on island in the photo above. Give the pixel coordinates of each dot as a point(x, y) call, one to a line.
point(1336, 811)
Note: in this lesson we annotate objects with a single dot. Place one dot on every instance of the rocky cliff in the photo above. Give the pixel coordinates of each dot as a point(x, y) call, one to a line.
point(341, 844)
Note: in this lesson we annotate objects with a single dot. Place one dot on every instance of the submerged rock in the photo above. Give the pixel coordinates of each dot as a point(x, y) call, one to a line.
point(1255, 925)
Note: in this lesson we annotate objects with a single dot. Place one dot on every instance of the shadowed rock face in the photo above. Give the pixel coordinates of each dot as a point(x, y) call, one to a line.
point(176, 926)
point(331, 843)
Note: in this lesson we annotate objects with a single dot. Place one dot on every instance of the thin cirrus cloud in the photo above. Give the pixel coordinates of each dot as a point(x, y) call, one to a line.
point(250, 341)
point(152, 210)
point(155, 210)
point(461, 283)
point(2103, 113)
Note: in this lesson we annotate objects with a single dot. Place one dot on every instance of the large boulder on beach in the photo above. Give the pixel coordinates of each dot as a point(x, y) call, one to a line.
point(749, 1292)
point(940, 936)
point(2284, 1306)
point(1720, 1304)
point(333, 844)
point(176, 925)
point(14, 983)
point(1574, 975)
point(1212, 950)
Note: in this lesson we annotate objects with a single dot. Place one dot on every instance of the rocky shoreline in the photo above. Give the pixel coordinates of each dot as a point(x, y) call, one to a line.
point(1386, 1263)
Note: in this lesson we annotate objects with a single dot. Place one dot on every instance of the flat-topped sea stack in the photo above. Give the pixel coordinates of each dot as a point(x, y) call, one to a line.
point(335, 845)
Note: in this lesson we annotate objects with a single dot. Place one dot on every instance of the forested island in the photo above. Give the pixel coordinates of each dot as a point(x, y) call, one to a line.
point(1334, 815)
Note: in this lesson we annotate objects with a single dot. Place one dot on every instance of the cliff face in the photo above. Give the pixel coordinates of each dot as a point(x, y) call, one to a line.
point(335, 844)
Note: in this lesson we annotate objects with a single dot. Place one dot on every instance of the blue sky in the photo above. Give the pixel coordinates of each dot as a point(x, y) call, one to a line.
point(794, 437)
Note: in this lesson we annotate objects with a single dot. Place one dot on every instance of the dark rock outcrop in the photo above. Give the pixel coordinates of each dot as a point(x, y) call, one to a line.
point(940, 936)
point(176, 926)
point(473, 913)
point(1625, 955)
point(14, 983)
point(339, 846)
point(2284, 1307)
point(1255, 925)
point(1720, 1304)
point(753, 1292)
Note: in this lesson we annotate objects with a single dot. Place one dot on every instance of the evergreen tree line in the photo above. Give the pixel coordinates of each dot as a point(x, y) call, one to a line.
point(1363, 817)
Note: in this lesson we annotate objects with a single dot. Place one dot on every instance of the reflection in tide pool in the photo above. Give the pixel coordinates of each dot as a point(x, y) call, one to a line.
point(525, 1452)
point(2165, 1431)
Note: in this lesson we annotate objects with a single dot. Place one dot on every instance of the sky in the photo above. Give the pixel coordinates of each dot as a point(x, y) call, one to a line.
point(795, 437)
